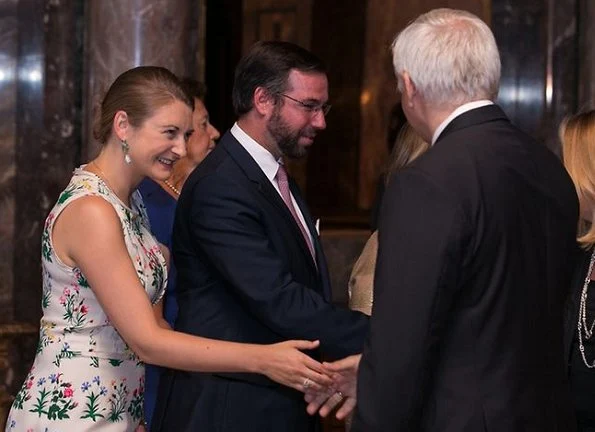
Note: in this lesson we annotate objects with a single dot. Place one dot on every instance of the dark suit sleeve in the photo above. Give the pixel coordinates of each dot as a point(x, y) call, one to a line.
point(422, 236)
point(229, 227)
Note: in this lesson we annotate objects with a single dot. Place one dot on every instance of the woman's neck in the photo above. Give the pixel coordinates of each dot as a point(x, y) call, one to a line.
point(119, 176)
point(181, 171)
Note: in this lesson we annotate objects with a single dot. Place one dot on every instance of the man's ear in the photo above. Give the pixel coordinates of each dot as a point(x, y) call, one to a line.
point(409, 87)
point(263, 101)
point(121, 125)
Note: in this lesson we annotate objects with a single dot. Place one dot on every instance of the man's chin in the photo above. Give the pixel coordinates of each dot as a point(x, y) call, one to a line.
point(296, 153)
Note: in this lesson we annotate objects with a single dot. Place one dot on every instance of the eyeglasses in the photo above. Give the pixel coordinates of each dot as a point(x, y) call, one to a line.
point(311, 107)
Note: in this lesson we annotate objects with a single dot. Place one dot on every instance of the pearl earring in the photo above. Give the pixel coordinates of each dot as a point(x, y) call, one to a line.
point(125, 149)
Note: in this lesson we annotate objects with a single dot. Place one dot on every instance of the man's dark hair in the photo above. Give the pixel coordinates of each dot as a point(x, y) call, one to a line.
point(267, 65)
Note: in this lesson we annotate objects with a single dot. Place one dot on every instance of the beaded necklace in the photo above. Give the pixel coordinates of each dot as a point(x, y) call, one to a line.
point(585, 331)
point(172, 187)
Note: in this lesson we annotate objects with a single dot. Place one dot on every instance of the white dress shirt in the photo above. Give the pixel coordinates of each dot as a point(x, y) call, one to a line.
point(460, 110)
point(268, 165)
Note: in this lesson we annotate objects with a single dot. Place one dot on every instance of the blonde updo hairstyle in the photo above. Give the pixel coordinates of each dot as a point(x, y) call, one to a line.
point(139, 92)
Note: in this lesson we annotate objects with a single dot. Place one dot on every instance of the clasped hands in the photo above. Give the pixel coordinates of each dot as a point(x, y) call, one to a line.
point(341, 393)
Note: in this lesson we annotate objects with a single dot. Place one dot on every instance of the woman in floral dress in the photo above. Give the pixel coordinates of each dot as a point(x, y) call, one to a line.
point(104, 276)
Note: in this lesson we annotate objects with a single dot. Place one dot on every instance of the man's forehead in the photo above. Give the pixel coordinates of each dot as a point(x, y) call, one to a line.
point(307, 81)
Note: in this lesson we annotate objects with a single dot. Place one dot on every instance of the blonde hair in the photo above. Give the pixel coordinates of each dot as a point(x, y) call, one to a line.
point(577, 134)
point(409, 145)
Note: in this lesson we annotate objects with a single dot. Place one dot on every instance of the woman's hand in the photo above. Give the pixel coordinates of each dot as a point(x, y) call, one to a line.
point(286, 364)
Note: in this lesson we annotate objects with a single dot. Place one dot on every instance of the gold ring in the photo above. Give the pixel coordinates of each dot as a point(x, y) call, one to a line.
point(340, 394)
point(307, 383)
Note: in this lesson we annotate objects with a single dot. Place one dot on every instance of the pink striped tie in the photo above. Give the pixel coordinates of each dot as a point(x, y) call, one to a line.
point(285, 194)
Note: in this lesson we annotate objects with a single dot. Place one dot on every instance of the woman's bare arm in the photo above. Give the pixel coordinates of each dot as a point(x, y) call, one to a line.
point(89, 235)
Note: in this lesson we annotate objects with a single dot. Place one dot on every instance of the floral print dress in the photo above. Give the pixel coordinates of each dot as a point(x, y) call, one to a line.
point(84, 377)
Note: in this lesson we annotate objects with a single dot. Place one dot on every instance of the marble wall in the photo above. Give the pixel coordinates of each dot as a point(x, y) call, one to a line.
point(586, 55)
point(40, 101)
point(538, 86)
point(28, 186)
point(124, 34)
point(8, 72)
point(48, 131)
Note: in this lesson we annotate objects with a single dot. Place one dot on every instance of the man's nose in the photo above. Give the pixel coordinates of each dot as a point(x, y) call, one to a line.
point(319, 120)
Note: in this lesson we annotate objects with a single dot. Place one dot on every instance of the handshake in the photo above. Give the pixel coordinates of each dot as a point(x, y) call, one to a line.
point(336, 386)
point(326, 385)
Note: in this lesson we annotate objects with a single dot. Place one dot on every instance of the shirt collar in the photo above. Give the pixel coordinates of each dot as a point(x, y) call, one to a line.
point(457, 112)
point(265, 160)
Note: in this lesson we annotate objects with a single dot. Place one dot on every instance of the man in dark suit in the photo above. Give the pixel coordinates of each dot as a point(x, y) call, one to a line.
point(474, 245)
point(250, 265)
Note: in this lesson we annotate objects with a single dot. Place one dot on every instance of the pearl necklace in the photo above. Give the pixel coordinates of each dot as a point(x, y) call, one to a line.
point(172, 187)
point(582, 316)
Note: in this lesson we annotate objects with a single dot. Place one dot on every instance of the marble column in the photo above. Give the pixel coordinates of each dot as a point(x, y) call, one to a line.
point(122, 34)
point(40, 58)
point(538, 86)
point(8, 64)
point(48, 135)
point(28, 183)
point(561, 92)
point(586, 56)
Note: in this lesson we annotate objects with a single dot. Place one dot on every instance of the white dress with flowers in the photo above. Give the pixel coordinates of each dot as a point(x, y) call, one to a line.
point(84, 377)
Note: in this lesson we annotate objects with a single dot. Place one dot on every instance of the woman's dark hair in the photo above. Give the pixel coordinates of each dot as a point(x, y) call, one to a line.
point(267, 65)
point(194, 88)
point(139, 92)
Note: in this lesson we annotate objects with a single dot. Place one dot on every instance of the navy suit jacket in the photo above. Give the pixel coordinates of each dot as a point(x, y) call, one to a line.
point(245, 274)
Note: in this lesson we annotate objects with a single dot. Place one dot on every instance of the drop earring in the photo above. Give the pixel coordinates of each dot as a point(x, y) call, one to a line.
point(125, 149)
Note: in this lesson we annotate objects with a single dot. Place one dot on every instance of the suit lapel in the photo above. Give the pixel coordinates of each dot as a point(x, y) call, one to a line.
point(320, 257)
point(264, 186)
